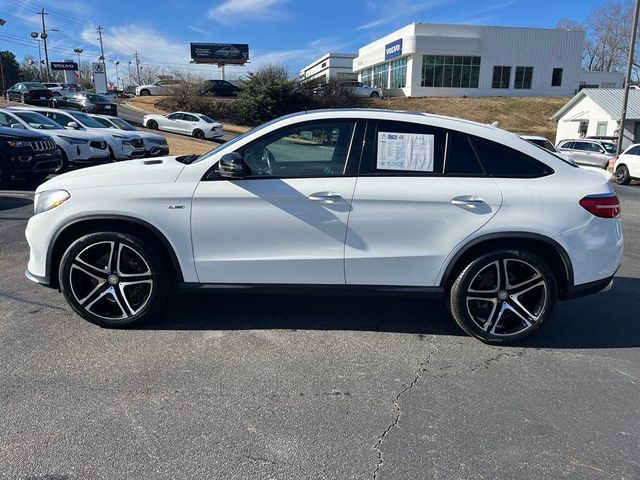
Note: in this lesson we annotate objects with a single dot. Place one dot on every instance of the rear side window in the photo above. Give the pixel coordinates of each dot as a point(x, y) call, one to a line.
point(580, 146)
point(461, 159)
point(504, 162)
point(403, 149)
point(594, 147)
point(568, 145)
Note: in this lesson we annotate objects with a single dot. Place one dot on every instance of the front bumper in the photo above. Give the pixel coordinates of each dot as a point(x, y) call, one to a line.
point(49, 162)
point(88, 162)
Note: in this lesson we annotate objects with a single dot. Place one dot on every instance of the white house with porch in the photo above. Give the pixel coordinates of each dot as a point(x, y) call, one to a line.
point(596, 113)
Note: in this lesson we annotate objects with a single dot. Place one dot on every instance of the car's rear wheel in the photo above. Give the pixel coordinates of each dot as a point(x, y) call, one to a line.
point(199, 134)
point(375, 95)
point(622, 175)
point(145, 92)
point(113, 279)
point(152, 124)
point(504, 296)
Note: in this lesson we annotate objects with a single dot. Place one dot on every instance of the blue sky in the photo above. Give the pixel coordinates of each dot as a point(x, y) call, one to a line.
point(293, 32)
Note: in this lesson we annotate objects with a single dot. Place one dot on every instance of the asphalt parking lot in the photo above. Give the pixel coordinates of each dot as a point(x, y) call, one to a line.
point(242, 386)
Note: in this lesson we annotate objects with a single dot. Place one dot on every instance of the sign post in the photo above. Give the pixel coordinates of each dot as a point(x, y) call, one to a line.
point(99, 77)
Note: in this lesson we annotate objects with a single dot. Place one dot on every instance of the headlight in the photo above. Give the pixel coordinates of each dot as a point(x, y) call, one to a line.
point(17, 143)
point(50, 199)
point(74, 141)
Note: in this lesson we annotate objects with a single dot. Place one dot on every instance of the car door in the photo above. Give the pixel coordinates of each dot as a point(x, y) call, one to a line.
point(420, 192)
point(632, 160)
point(595, 155)
point(286, 221)
point(579, 153)
point(188, 123)
point(170, 123)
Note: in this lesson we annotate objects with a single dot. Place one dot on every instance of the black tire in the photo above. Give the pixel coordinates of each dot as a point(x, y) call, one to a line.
point(145, 93)
point(199, 134)
point(84, 110)
point(375, 95)
point(5, 174)
point(500, 313)
point(152, 125)
point(114, 279)
point(622, 175)
point(65, 162)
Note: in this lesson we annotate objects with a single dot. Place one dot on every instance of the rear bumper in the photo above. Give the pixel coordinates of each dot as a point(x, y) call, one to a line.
point(590, 288)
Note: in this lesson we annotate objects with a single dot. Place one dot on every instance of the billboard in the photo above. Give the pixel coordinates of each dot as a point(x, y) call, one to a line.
point(393, 50)
point(64, 66)
point(234, 53)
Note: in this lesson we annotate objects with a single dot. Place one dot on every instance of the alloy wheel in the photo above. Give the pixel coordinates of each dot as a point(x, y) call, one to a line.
point(111, 280)
point(507, 297)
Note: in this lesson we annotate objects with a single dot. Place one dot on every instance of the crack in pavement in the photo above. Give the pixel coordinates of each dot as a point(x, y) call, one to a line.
point(378, 446)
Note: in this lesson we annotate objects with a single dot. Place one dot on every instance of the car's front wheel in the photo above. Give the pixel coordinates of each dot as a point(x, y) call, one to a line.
point(113, 279)
point(503, 296)
point(622, 175)
point(152, 125)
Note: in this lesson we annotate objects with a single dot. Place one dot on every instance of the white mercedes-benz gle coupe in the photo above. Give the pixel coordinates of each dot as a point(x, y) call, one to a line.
point(339, 200)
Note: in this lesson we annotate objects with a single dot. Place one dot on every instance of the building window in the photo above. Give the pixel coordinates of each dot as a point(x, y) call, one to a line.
point(501, 77)
point(324, 64)
point(601, 129)
point(524, 76)
point(450, 72)
point(556, 78)
point(367, 77)
point(381, 75)
point(399, 73)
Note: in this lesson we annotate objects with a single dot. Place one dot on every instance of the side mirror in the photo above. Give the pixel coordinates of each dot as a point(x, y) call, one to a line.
point(73, 125)
point(18, 125)
point(231, 166)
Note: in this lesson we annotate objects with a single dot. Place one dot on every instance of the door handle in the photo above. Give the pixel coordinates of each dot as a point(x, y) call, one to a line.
point(327, 197)
point(467, 201)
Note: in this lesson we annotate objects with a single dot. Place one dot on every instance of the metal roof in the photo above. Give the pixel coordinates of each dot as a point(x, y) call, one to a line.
point(609, 99)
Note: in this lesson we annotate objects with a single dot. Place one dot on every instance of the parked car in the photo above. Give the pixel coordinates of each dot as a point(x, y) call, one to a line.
point(154, 144)
point(359, 89)
point(32, 93)
point(121, 145)
point(161, 87)
point(594, 153)
point(228, 52)
point(56, 88)
point(78, 148)
point(194, 124)
point(540, 141)
point(333, 200)
point(85, 102)
point(219, 88)
point(627, 165)
point(25, 154)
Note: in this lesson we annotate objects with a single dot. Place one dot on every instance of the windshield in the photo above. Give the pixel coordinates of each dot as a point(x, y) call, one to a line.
point(37, 120)
point(104, 122)
point(544, 143)
point(86, 120)
point(123, 124)
point(610, 147)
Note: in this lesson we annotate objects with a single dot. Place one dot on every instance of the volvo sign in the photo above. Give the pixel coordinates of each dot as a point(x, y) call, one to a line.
point(64, 66)
point(222, 53)
point(393, 50)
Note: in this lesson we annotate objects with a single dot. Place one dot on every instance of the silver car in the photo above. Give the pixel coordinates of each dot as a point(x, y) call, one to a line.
point(594, 153)
point(359, 89)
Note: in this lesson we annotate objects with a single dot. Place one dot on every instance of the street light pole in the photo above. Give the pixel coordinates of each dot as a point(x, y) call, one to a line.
point(625, 99)
point(2, 22)
point(36, 37)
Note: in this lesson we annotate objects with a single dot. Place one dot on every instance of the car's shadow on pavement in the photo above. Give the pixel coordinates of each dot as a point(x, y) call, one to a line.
point(10, 203)
point(606, 320)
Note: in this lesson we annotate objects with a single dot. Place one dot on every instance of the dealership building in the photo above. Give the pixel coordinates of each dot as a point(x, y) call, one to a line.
point(426, 59)
point(331, 66)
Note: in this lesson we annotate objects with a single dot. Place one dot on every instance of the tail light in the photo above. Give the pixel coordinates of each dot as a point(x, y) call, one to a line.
point(604, 206)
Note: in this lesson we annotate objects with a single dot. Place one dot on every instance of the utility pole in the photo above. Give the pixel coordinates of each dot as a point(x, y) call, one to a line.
point(104, 66)
point(43, 35)
point(129, 74)
point(625, 99)
point(2, 22)
point(138, 66)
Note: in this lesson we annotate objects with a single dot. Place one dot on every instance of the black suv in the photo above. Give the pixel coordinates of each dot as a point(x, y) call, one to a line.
point(219, 88)
point(26, 154)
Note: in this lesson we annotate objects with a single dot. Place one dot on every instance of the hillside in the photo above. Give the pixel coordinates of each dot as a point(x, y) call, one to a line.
point(528, 115)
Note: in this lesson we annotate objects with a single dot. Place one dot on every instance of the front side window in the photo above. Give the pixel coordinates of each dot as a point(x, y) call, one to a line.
point(36, 120)
point(175, 116)
point(504, 162)
point(556, 77)
point(317, 149)
point(594, 147)
point(450, 71)
point(501, 77)
point(60, 118)
point(399, 73)
point(524, 78)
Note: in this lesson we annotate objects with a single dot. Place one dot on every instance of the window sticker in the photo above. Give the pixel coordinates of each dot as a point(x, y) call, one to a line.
point(405, 151)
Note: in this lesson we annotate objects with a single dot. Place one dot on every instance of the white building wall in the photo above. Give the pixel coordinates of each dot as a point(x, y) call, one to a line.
point(542, 49)
point(602, 79)
point(586, 109)
point(329, 66)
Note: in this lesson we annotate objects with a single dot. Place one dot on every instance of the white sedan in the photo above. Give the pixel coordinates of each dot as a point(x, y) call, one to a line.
point(194, 124)
point(336, 201)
